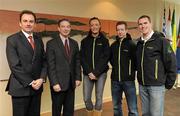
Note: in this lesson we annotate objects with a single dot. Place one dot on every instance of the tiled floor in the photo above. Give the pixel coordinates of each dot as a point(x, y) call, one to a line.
point(172, 105)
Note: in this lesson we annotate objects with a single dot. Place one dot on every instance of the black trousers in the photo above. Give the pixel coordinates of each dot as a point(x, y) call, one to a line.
point(26, 106)
point(63, 99)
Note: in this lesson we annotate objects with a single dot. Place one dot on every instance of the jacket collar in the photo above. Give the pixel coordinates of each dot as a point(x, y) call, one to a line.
point(128, 37)
point(99, 36)
point(61, 46)
point(26, 43)
point(155, 35)
point(148, 37)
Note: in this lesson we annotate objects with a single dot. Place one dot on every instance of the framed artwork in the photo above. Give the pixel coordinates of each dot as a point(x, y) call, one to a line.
point(47, 26)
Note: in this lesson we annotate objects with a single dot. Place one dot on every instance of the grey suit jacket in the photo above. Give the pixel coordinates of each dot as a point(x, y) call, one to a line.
point(61, 70)
point(25, 64)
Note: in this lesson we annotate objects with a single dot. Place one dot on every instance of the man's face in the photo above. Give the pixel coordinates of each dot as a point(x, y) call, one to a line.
point(145, 26)
point(27, 23)
point(64, 28)
point(121, 31)
point(95, 26)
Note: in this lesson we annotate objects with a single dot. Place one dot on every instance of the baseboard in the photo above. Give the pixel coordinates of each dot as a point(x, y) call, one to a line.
point(46, 114)
point(77, 106)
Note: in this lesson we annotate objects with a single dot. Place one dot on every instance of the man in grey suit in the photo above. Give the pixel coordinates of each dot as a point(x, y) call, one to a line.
point(26, 58)
point(63, 69)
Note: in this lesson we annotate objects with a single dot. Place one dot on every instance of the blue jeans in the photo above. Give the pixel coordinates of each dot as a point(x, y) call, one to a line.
point(128, 87)
point(152, 99)
point(87, 91)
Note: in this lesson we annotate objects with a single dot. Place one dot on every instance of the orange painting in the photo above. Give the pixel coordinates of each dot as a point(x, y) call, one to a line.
point(47, 24)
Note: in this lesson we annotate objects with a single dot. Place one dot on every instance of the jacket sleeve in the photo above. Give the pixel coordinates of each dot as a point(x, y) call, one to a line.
point(111, 55)
point(103, 61)
point(133, 53)
point(44, 63)
point(169, 64)
point(86, 67)
point(178, 59)
point(15, 63)
point(78, 65)
point(50, 53)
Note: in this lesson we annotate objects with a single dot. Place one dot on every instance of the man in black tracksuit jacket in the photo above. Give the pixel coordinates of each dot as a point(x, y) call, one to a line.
point(122, 59)
point(127, 59)
point(159, 63)
point(156, 66)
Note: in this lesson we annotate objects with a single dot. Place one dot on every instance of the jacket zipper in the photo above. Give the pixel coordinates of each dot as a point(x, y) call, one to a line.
point(142, 61)
point(119, 60)
point(93, 52)
point(156, 69)
point(129, 67)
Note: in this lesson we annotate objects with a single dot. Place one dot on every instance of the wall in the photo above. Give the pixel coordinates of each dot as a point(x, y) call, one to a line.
point(128, 10)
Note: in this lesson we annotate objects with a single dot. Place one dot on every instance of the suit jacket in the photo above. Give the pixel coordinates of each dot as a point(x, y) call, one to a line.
point(25, 64)
point(61, 70)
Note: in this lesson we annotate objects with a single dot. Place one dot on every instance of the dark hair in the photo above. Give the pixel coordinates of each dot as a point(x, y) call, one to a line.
point(61, 20)
point(144, 16)
point(121, 23)
point(94, 18)
point(27, 12)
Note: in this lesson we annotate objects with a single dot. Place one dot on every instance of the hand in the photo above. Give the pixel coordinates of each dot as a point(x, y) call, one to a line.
point(92, 76)
point(36, 84)
point(78, 83)
point(57, 88)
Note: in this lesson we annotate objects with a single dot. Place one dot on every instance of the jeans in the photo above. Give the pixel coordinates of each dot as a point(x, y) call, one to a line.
point(87, 91)
point(152, 98)
point(128, 87)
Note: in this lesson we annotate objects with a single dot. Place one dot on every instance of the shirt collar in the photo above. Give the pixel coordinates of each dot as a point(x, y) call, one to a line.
point(148, 37)
point(63, 39)
point(26, 34)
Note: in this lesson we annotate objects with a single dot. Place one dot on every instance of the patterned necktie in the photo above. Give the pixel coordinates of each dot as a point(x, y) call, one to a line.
point(31, 42)
point(67, 49)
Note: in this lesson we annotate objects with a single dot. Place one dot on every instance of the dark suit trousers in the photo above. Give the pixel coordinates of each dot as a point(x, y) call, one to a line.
point(26, 106)
point(65, 99)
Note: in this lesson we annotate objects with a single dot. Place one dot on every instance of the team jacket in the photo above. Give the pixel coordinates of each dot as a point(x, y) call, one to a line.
point(95, 54)
point(156, 63)
point(123, 54)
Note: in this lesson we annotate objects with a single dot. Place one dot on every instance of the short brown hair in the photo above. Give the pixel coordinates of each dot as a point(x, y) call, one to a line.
point(121, 23)
point(27, 12)
point(144, 16)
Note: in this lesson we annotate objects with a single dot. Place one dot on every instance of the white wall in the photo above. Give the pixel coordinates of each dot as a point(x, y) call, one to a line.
point(128, 10)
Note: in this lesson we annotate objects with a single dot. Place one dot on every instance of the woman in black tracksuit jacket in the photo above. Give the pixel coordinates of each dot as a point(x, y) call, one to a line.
point(94, 60)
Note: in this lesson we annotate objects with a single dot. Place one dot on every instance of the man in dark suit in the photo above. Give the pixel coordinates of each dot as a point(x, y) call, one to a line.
point(26, 59)
point(63, 69)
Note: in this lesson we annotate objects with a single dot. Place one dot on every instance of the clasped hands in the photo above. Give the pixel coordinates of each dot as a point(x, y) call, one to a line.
point(36, 84)
point(92, 76)
point(57, 87)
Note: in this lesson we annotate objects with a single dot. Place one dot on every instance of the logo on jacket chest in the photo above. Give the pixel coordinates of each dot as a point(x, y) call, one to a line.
point(99, 44)
point(150, 47)
point(125, 50)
